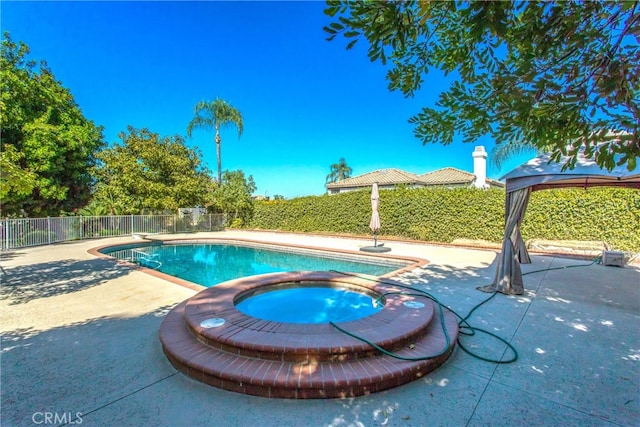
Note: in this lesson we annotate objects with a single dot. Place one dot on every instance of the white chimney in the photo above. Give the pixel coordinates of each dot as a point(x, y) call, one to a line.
point(480, 167)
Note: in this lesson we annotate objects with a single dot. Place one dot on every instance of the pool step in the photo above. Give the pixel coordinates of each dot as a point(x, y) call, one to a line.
point(307, 378)
point(208, 339)
point(393, 328)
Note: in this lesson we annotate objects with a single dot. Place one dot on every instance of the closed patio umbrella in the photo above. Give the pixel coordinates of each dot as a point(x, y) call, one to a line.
point(375, 217)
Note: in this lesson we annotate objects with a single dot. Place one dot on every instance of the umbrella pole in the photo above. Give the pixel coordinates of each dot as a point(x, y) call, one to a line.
point(375, 239)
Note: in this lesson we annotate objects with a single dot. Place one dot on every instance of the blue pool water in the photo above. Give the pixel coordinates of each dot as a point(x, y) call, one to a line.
point(210, 264)
point(309, 305)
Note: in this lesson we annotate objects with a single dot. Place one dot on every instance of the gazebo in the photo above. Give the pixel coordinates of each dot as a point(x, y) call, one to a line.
point(539, 174)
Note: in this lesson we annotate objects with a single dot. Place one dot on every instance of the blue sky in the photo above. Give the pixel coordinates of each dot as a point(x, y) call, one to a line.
point(306, 102)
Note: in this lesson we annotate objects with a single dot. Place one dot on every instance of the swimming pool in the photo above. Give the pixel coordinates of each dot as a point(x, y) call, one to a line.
point(212, 339)
point(208, 264)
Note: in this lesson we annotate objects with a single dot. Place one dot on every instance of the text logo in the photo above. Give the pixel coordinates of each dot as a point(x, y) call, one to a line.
point(56, 418)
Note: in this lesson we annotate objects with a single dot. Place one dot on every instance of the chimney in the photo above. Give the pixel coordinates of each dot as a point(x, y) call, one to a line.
point(480, 167)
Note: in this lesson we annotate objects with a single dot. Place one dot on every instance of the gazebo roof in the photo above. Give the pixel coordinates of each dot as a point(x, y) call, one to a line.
point(540, 174)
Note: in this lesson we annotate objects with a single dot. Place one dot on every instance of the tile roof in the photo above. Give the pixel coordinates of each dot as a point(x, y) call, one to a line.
point(495, 182)
point(444, 176)
point(382, 176)
point(447, 176)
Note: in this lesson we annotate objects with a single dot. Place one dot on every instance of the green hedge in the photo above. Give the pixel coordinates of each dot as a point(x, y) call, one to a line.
point(604, 214)
point(611, 215)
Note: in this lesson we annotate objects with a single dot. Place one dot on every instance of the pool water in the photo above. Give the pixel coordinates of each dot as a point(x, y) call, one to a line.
point(210, 264)
point(309, 305)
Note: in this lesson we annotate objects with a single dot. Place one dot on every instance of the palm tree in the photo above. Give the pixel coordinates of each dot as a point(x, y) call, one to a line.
point(504, 151)
point(339, 171)
point(214, 115)
point(501, 153)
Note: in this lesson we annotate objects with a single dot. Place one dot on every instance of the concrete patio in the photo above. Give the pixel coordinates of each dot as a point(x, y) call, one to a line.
point(80, 346)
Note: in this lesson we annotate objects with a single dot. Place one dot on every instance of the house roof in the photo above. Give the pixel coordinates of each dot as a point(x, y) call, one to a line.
point(382, 177)
point(447, 176)
point(444, 176)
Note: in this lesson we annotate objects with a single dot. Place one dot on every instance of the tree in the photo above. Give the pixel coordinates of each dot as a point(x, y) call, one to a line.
point(149, 172)
point(216, 115)
point(15, 180)
point(233, 197)
point(540, 74)
point(48, 147)
point(339, 171)
point(96, 208)
point(503, 152)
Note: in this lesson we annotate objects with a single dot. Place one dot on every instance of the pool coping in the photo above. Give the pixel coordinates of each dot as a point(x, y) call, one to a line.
point(393, 327)
point(415, 262)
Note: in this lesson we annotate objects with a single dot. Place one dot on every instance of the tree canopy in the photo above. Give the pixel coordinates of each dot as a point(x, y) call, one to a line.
point(233, 197)
point(556, 75)
point(14, 179)
point(48, 147)
point(146, 172)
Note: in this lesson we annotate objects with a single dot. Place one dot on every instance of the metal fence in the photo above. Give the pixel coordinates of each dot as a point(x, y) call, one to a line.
point(24, 232)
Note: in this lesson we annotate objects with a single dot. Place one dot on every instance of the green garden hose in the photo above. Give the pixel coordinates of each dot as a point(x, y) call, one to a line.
point(465, 329)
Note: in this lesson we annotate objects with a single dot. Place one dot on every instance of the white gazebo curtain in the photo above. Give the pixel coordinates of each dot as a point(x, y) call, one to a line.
point(508, 278)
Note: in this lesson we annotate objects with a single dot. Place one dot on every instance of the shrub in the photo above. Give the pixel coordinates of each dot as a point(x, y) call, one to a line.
point(442, 215)
point(38, 237)
point(611, 215)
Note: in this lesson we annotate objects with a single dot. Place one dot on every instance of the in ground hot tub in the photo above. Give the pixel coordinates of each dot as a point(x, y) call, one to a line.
point(208, 337)
point(309, 302)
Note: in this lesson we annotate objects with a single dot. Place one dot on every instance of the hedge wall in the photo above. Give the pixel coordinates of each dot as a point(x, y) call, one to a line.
point(442, 215)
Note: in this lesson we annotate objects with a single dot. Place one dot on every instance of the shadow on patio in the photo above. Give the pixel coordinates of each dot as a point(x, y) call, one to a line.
point(25, 283)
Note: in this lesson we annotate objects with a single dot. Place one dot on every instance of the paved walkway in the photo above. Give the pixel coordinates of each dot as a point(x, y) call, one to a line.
point(80, 339)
